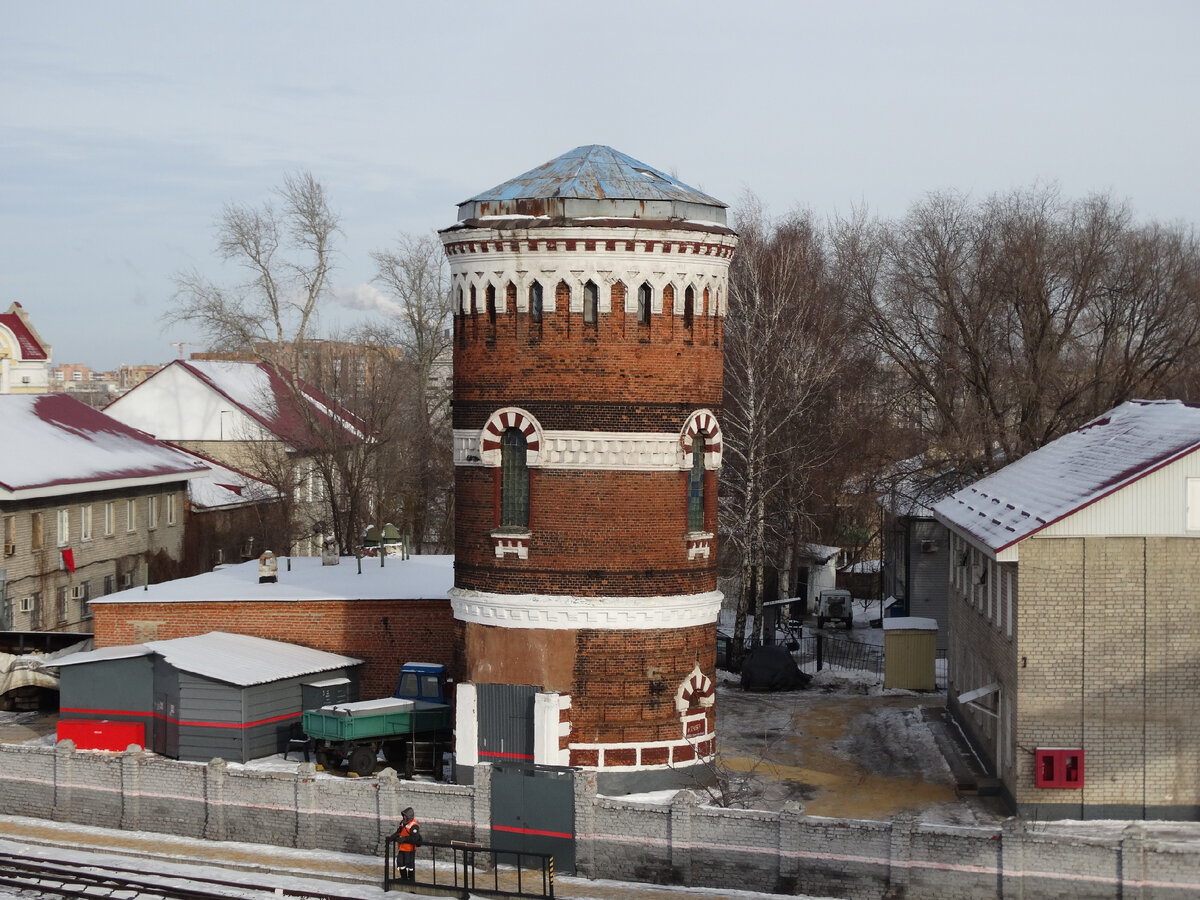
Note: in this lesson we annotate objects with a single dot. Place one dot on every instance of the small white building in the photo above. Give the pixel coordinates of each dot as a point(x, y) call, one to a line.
point(24, 356)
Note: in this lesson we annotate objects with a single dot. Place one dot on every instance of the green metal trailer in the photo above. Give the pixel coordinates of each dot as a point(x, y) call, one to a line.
point(413, 734)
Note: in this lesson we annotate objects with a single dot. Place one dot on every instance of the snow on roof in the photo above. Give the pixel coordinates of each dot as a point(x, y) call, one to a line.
point(909, 623)
point(259, 390)
point(53, 444)
point(1105, 455)
point(415, 578)
point(233, 658)
point(16, 322)
point(124, 651)
point(223, 487)
point(818, 552)
point(244, 660)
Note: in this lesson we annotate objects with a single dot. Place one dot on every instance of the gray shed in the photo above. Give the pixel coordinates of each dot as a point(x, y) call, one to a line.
point(212, 695)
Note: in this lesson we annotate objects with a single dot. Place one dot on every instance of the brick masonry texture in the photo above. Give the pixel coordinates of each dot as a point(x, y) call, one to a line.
point(1102, 658)
point(593, 533)
point(384, 633)
point(682, 843)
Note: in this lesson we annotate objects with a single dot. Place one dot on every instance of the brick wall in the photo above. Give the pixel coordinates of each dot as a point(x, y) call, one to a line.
point(599, 533)
point(385, 634)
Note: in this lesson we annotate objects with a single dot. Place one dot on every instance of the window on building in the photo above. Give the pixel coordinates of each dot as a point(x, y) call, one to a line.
point(110, 517)
point(689, 307)
point(84, 593)
point(535, 302)
point(462, 307)
point(696, 486)
point(60, 605)
point(10, 535)
point(131, 515)
point(644, 298)
point(491, 304)
point(85, 522)
point(170, 509)
point(591, 302)
point(64, 527)
point(514, 480)
point(110, 583)
point(35, 531)
point(151, 512)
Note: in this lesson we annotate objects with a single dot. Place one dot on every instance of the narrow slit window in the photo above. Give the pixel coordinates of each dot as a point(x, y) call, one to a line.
point(644, 298)
point(514, 480)
point(535, 302)
point(696, 486)
point(591, 302)
point(689, 307)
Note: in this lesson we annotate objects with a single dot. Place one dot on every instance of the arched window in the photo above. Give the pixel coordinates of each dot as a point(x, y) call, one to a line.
point(591, 302)
point(491, 304)
point(535, 302)
point(461, 308)
point(644, 297)
point(514, 480)
point(689, 307)
point(696, 486)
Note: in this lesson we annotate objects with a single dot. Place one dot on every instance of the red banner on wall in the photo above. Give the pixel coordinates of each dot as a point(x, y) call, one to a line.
point(68, 557)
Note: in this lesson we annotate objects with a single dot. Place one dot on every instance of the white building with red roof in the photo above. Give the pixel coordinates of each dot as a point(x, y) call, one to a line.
point(24, 356)
point(245, 415)
point(88, 506)
point(1074, 640)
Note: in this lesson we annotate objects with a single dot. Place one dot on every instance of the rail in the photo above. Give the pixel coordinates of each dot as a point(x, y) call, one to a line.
point(461, 868)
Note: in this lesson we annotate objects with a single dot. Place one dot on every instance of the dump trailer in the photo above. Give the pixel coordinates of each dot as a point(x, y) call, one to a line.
point(412, 731)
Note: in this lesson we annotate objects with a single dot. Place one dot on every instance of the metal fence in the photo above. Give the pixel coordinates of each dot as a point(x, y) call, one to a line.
point(472, 869)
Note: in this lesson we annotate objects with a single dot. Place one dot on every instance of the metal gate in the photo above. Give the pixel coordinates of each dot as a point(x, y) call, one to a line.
point(506, 722)
point(533, 811)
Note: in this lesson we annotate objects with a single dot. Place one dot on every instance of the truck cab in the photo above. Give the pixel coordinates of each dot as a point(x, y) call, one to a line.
point(422, 681)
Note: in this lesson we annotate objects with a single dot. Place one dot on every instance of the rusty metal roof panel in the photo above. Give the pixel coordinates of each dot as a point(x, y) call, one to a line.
point(593, 180)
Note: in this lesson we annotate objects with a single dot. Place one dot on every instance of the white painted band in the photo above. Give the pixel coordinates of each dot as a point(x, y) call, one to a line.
point(556, 611)
point(629, 450)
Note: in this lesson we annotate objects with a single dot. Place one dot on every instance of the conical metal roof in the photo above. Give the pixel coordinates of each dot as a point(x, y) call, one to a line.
point(592, 181)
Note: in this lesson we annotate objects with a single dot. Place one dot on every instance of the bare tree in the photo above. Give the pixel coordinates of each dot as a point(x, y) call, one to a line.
point(782, 360)
point(414, 275)
point(1004, 324)
point(288, 251)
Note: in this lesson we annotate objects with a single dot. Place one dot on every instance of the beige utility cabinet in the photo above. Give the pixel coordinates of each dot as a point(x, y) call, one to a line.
point(910, 653)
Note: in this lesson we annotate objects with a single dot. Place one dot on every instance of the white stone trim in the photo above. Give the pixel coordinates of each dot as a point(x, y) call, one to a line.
point(466, 724)
point(511, 543)
point(696, 685)
point(569, 612)
point(495, 426)
point(630, 450)
point(548, 729)
point(639, 766)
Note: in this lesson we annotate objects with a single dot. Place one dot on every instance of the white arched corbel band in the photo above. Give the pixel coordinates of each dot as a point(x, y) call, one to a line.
point(703, 423)
point(499, 422)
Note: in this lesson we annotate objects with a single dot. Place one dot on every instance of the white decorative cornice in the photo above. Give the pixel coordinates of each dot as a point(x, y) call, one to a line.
point(560, 612)
point(637, 451)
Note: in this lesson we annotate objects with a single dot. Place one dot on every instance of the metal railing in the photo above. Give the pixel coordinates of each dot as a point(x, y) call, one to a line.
point(465, 868)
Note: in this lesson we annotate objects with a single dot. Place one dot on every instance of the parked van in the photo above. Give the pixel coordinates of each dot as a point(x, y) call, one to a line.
point(835, 604)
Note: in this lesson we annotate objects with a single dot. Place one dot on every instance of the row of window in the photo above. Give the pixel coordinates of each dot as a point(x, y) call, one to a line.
point(591, 302)
point(984, 584)
point(514, 482)
point(84, 520)
point(64, 597)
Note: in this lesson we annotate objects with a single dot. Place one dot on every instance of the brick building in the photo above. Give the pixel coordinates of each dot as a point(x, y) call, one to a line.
point(590, 296)
point(88, 506)
point(1074, 641)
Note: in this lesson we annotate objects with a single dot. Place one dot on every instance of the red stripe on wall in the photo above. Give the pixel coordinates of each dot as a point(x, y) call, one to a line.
point(506, 755)
point(537, 831)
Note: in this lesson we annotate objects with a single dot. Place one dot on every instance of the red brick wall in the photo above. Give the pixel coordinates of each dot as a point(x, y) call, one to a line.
point(594, 533)
point(385, 634)
point(625, 682)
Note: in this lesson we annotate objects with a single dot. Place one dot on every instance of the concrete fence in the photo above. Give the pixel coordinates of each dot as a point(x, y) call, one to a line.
point(681, 843)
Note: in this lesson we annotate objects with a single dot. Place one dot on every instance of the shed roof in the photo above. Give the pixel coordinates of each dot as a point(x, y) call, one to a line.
point(231, 658)
point(54, 444)
point(1107, 454)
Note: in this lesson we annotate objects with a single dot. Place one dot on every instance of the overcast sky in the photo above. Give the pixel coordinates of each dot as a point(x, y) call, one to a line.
point(124, 127)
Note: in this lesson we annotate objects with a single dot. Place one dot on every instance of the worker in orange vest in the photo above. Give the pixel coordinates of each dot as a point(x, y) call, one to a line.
point(408, 839)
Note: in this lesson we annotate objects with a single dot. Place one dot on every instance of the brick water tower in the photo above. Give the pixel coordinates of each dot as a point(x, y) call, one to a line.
point(590, 297)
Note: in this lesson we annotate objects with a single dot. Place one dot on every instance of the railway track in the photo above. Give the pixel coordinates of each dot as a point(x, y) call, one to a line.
point(25, 876)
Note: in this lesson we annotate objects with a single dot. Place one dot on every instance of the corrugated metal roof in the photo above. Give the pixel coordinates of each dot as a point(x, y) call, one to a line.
point(244, 660)
point(595, 172)
point(1108, 453)
point(125, 651)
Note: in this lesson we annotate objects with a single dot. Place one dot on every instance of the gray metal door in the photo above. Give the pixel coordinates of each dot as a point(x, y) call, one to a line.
point(533, 811)
point(506, 722)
